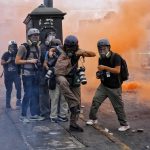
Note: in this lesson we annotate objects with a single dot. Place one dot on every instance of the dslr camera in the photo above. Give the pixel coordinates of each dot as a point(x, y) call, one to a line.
point(100, 75)
point(81, 74)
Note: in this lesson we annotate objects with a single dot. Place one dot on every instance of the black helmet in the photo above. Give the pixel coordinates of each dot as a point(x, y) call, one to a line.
point(103, 42)
point(71, 40)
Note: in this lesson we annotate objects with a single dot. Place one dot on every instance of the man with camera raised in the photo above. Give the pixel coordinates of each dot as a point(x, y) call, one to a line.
point(28, 57)
point(108, 72)
point(66, 69)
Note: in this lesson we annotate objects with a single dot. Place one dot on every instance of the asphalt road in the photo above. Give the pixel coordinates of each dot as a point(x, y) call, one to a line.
point(50, 136)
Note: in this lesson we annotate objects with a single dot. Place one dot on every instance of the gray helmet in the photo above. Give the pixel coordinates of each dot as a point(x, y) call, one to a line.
point(33, 31)
point(56, 42)
point(12, 42)
point(103, 42)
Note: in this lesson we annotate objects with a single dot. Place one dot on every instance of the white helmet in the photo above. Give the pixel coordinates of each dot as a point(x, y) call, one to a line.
point(33, 31)
point(11, 42)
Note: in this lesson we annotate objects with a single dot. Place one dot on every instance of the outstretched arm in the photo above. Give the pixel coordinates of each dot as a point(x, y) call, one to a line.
point(85, 53)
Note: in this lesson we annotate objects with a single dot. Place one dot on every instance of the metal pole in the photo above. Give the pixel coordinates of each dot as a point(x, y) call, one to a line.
point(48, 3)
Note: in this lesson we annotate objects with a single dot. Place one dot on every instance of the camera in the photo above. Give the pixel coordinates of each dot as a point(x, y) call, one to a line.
point(81, 74)
point(48, 74)
point(100, 75)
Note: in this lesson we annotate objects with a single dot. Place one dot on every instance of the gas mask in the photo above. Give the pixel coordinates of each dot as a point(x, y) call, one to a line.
point(34, 40)
point(13, 49)
point(70, 50)
point(49, 38)
point(104, 52)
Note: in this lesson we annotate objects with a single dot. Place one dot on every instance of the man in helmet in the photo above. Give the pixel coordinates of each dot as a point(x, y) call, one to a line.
point(59, 106)
point(108, 73)
point(65, 69)
point(28, 57)
point(11, 73)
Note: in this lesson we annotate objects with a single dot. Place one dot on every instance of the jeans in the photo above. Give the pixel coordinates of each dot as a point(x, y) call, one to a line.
point(9, 79)
point(31, 95)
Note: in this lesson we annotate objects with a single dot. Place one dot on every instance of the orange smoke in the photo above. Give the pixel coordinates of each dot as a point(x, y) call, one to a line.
point(127, 30)
point(131, 86)
point(141, 87)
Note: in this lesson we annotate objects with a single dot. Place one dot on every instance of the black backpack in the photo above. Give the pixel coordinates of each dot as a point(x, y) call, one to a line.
point(124, 73)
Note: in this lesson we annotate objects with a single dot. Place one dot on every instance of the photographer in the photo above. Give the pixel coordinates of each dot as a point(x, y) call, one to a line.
point(11, 73)
point(108, 73)
point(59, 106)
point(65, 68)
point(28, 57)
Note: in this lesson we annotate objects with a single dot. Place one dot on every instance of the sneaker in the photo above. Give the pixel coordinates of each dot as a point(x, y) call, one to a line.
point(91, 122)
point(54, 120)
point(36, 118)
point(62, 119)
point(24, 119)
point(76, 128)
point(124, 128)
point(18, 102)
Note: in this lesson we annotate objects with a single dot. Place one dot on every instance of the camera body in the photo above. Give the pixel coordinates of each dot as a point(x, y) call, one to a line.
point(81, 74)
point(100, 75)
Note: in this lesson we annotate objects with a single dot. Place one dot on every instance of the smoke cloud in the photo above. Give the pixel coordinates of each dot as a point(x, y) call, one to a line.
point(128, 31)
point(125, 23)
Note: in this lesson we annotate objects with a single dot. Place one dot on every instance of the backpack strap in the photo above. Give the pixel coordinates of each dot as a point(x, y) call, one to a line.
point(27, 48)
point(112, 57)
point(112, 60)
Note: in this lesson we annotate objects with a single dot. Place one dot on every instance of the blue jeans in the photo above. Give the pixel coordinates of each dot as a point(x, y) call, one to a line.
point(31, 95)
point(9, 79)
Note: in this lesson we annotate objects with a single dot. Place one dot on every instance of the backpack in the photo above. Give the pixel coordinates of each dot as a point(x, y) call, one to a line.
point(28, 53)
point(124, 73)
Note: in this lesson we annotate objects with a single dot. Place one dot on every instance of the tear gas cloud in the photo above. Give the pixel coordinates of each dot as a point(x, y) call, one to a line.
point(123, 22)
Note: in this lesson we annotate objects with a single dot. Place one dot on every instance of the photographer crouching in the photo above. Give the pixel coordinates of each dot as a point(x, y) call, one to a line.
point(66, 71)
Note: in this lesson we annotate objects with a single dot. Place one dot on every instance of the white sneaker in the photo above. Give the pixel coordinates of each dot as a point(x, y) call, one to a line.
point(24, 119)
point(36, 118)
point(123, 128)
point(91, 122)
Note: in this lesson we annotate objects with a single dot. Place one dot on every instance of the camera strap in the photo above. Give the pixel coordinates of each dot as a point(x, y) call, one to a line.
point(82, 60)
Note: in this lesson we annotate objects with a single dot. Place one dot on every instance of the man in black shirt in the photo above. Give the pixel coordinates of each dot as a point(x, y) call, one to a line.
point(11, 73)
point(108, 73)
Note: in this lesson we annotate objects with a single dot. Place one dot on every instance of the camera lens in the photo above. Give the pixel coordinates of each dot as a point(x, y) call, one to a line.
point(49, 72)
point(81, 73)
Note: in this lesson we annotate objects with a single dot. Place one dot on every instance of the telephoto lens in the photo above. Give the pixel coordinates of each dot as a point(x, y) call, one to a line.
point(48, 74)
point(82, 77)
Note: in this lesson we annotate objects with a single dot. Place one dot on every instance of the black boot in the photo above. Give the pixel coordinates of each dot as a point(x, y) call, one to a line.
point(75, 111)
point(76, 128)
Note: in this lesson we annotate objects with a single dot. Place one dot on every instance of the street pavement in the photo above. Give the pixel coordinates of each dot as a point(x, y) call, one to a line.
point(44, 135)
